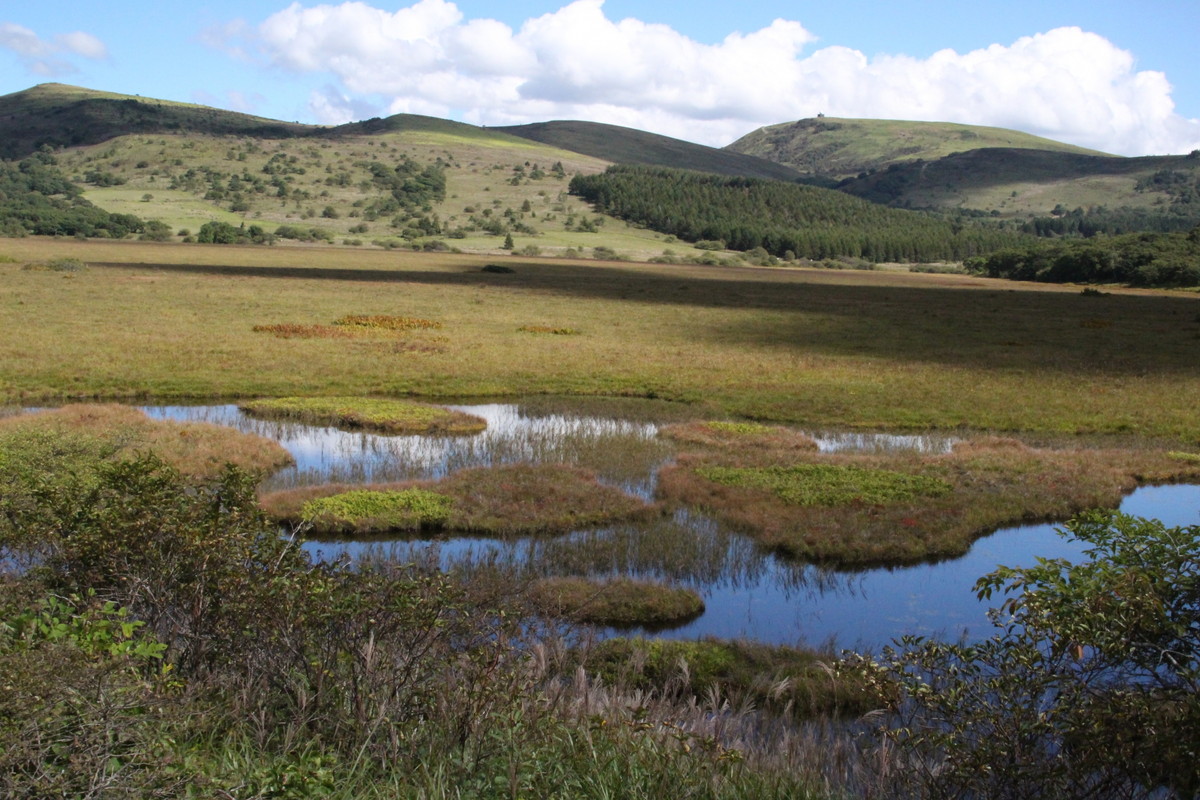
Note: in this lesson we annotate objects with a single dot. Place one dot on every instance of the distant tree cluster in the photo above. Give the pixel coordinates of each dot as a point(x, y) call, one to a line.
point(36, 198)
point(225, 233)
point(409, 185)
point(1140, 259)
point(781, 218)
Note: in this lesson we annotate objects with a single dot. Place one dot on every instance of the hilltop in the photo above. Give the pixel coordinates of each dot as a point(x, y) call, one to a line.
point(834, 148)
point(621, 145)
point(58, 115)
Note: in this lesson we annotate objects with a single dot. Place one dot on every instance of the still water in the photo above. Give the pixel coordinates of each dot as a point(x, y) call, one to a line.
point(748, 593)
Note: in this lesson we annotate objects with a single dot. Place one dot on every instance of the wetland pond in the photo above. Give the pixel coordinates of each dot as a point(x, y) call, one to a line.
point(749, 593)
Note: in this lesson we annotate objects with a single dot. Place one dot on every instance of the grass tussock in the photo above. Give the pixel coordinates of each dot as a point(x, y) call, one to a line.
point(366, 510)
point(620, 603)
point(857, 509)
point(70, 435)
point(68, 265)
point(548, 329)
point(386, 322)
point(293, 330)
point(368, 413)
point(739, 435)
point(505, 501)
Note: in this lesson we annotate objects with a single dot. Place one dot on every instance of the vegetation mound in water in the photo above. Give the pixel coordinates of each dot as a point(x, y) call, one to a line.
point(620, 603)
point(369, 413)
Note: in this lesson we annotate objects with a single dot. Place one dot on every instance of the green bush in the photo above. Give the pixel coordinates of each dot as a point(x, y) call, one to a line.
point(1088, 688)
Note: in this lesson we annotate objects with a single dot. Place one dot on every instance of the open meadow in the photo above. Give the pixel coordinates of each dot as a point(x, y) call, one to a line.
point(864, 349)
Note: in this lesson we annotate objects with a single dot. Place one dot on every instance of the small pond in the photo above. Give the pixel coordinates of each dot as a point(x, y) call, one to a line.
point(749, 593)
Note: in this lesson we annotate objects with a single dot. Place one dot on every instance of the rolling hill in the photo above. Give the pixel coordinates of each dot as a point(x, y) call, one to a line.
point(840, 148)
point(629, 146)
point(58, 115)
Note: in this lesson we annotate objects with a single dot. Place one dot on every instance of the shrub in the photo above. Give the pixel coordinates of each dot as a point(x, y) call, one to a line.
point(1088, 688)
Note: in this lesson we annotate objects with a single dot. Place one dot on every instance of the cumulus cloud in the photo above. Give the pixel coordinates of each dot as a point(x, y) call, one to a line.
point(578, 63)
point(50, 57)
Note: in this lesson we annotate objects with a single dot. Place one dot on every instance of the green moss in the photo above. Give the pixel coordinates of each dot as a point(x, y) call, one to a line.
point(407, 509)
point(385, 415)
point(740, 428)
point(828, 484)
point(1190, 458)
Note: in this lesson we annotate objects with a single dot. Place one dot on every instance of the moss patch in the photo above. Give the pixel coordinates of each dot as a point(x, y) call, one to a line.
point(828, 484)
point(620, 603)
point(363, 511)
point(377, 414)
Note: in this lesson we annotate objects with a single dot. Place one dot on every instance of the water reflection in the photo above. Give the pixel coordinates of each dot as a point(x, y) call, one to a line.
point(749, 593)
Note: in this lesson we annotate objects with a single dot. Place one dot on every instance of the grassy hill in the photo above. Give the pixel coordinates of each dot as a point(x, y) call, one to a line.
point(58, 115)
point(840, 148)
point(629, 146)
point(1022, 181)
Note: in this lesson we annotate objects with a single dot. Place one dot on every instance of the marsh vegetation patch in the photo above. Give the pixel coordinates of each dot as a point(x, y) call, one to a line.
point(828, 484)
point(619, 602)
point(369, 413)
point(505, 501)
point(363, 510)
point(75, 438)
point(849, 510)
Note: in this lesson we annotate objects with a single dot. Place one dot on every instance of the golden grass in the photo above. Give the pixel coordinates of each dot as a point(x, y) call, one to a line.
point(850, 510)
point(507, 501)
point(858, 349)
point(369, 413)
point(194, 448)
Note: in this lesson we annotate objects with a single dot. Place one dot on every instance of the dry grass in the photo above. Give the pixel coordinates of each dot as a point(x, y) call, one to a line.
point(857, 349)
point(511, 500)
point(194, 448)
point(620, 602)
point(848, 510)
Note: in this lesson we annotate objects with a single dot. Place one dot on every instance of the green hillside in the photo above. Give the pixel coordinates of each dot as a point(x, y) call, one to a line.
point(1020, 182)
point(840, 148)
point(58, 115)
point(629, 146)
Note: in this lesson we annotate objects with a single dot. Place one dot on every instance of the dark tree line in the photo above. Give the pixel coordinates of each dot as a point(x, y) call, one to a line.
point(36, 198)
point(782, 218)
point(1139, 259)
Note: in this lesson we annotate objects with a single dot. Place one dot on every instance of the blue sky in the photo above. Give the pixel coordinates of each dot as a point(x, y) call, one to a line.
point(1117, 76)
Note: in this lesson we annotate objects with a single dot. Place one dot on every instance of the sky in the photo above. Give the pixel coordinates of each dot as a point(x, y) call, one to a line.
point(1113, 75)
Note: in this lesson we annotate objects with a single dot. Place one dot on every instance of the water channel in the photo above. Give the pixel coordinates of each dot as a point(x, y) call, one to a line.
point(748, 593)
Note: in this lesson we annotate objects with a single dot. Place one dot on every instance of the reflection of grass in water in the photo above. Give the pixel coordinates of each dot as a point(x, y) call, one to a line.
point(690, 550)
point(620, 453)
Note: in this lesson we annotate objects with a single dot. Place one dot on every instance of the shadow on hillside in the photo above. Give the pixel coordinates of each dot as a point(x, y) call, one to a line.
point(981, 323)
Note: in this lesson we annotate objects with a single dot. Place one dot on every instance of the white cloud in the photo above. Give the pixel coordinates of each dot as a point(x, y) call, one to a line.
point(46, 58)
point(576, 63)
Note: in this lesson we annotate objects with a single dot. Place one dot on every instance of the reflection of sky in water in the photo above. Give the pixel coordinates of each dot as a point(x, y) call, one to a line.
point(325, 455)
point(749, 594)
